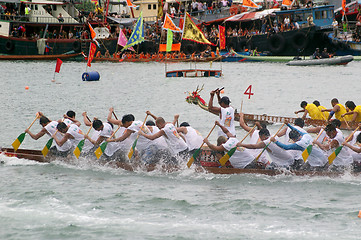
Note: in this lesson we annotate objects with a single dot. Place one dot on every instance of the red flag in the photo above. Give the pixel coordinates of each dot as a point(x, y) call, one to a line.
point(92, 50)
point(222, 37)
point(344, 5)
point(58, 65)
point(92, 33)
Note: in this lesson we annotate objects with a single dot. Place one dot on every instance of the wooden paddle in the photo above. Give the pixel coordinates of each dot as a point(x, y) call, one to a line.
point(80, 146)
point(264, 149)
point(48, 145)
point(100, 150)
point(348, 126)
point(132, 149)
point(339, 148)
point(308, 149)
point(196, 153)
point(16, 144)
point(227, 156)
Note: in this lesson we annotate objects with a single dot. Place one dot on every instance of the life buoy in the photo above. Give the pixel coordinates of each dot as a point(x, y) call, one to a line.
point(299, 40)
point(277, 43)
point(76, 46)
point(9, 45)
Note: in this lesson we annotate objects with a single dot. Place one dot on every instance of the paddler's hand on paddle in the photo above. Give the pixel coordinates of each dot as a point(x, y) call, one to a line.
point(217, 123)
point(240, 144)
point(84, 114)
point(206, 141)
point(39, 114)
point(343, 115)
point(273, 139)
point(176, 117)
point(213, 92)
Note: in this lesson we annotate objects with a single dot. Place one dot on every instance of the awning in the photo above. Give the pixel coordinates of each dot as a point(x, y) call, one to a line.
point(249, 16)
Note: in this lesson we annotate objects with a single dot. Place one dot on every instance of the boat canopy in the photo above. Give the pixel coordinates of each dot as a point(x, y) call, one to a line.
point(250, 16)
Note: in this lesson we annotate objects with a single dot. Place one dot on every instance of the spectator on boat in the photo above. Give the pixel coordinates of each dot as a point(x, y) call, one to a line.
point(287, 22)
point(107, 54)
point(225, 112)
point(325, 54)
point(335, 27)
point(81, 17)
point(310, 109)
point(47, 48)
point(27, 12)
point(241, 158)
point(310, 20)
point(337, 110)
point(316, 54)
point(60, 18)
point(353, 110)
point(70, 34)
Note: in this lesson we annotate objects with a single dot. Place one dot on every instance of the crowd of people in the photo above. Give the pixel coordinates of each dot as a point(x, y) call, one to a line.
point(158, 140)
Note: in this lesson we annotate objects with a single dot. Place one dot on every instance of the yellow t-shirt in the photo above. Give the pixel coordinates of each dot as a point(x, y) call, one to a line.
point(358, 110)
point(325, 114)
point(314, 112)
point(342, 111)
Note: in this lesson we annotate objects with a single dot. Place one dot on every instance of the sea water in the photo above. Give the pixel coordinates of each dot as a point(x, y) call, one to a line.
point(86, 201)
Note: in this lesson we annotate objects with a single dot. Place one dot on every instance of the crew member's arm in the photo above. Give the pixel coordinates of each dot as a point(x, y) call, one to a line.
point(252, 146)
point(153, 136)
point(292, 146)
point(86, 120)
point(63, 140)
point(314, 129)
point(219, 148)
point(328, 146)
point(125, 135)
point(36, 136)
point(112, 120)
point(211, 108)
point(334, 110)
point(352, 147)
point(76, 122)
point(176, 117)
point(243, 124)
point(225, 130)
point(152, 115)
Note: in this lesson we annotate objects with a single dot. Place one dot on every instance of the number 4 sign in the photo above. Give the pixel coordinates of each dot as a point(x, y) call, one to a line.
point(249, 91)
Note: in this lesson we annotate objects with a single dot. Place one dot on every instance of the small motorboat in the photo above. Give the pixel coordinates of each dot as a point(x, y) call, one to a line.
point(341, 60)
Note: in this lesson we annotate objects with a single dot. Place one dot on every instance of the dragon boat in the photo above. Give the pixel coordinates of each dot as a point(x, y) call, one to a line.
point(195, 98)
point(206, 162)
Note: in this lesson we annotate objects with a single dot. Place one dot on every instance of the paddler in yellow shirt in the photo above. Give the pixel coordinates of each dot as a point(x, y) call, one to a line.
point(312, 110)
point(338, 110)
point(318, 105)
point(353, 111)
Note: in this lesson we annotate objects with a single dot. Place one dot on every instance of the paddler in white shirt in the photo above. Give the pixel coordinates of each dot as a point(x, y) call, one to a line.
point(69, 118)
point(71, 133)
point(355, 150)
point(191, 136)
point(177, 145)
point(241, 158)
point(49, 127)
point(94, 136)
point(105, 131)
point(225, 112)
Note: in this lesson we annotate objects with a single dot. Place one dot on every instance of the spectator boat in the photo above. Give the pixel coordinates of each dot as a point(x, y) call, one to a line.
point(341, 60)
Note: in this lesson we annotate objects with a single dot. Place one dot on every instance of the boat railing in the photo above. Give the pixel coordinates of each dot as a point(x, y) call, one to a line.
point(38, 19)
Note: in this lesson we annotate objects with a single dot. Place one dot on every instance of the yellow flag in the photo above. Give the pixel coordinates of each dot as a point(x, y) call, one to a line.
point(192, 32)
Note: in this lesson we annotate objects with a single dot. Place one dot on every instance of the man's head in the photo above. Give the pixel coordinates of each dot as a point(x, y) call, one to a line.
point(303, 104)
point(224, 102)
point(334, 101)
point(160, 122)
point(294, 135)
point(184, 124)
point(264, 134)
point(62, 127)
point(299, 122)
point(98, 125)
point(317, 103)
point(149, 123)
point(331, 130)
point(70, 113)
point(350, 105)
point(221, 140)
point(127, 120)
point(336, 123)
point(44, 121)
point(358, 139)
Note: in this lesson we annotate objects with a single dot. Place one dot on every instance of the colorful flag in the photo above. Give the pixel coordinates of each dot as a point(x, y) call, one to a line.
point(130, 4)
point(287, 3)
point(92, 50)
point(18, 141)
point(122, 40)
point(194, 157)
point(192, 32)
point(169, 40)
point(344, 5)
point(137, 35)
point(93, 34)
point(334, 154)
point(58, 65)
point(100, 150)
point(160, 9)
point(47, 147)
point(169, 24)
point(222, 37)
point(78, 148)
point(250, 4)
point(132, 149)
point(227, 156)
point(306, 152)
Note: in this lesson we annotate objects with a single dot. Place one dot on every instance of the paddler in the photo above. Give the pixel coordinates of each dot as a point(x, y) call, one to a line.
point(319, 106)
point(225, 112)
point(241, 158)
point(354, 144)
point(71, 133)
point(353, 111)
point(310, 109)
point(49, 127)
point(337, 110)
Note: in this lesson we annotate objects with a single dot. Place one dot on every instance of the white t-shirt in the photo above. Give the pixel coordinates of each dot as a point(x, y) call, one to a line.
point(77, 134)
point(112, 147)
point(278, 155)
point(344, 158)
point(175, 142)
point(296, 154)
point(227, 120)
point(193, 138)
point(51, 129)
point(161, 141)
point(240, 158)
point(142, 142)
point(254, 139)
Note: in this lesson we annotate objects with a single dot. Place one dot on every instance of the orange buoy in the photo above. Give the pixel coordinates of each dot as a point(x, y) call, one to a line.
point(359, 214)
point(26, 87)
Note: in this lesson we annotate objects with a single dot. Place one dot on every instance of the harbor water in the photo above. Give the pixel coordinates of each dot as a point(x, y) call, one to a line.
point(85, 201)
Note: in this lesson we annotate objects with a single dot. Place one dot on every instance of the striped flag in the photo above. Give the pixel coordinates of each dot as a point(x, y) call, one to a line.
point(194, 157)
point(227, 156)
point(132, 149)
point(334, 154)
point(47, 147)
point(100, 150)
point(18, 141)
point(78, 148)
point(307, 152)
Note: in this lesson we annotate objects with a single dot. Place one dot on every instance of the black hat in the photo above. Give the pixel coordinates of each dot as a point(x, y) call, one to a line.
point(225, 100)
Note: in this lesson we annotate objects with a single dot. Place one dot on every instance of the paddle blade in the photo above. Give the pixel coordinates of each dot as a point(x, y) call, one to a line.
point(132, 149)
point(306, 152)
point(78, 148)
point(227, 156)
point(100, 150)
point(194, 156)
point(334, 154)
point(18, 141)
point(47, 147)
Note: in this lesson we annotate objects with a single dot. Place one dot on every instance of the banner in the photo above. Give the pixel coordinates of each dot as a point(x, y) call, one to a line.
point(92, 50)
point(222, 37)
point(137, 35)
point(169, 24)
point(250, 4)
point(122, 40)
point(160, 9)
point(130, 4)
point(192, 32)
point(58, 65)
point(93, 34)
point(175, 47)
point(169, 40)
point(287, 3)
